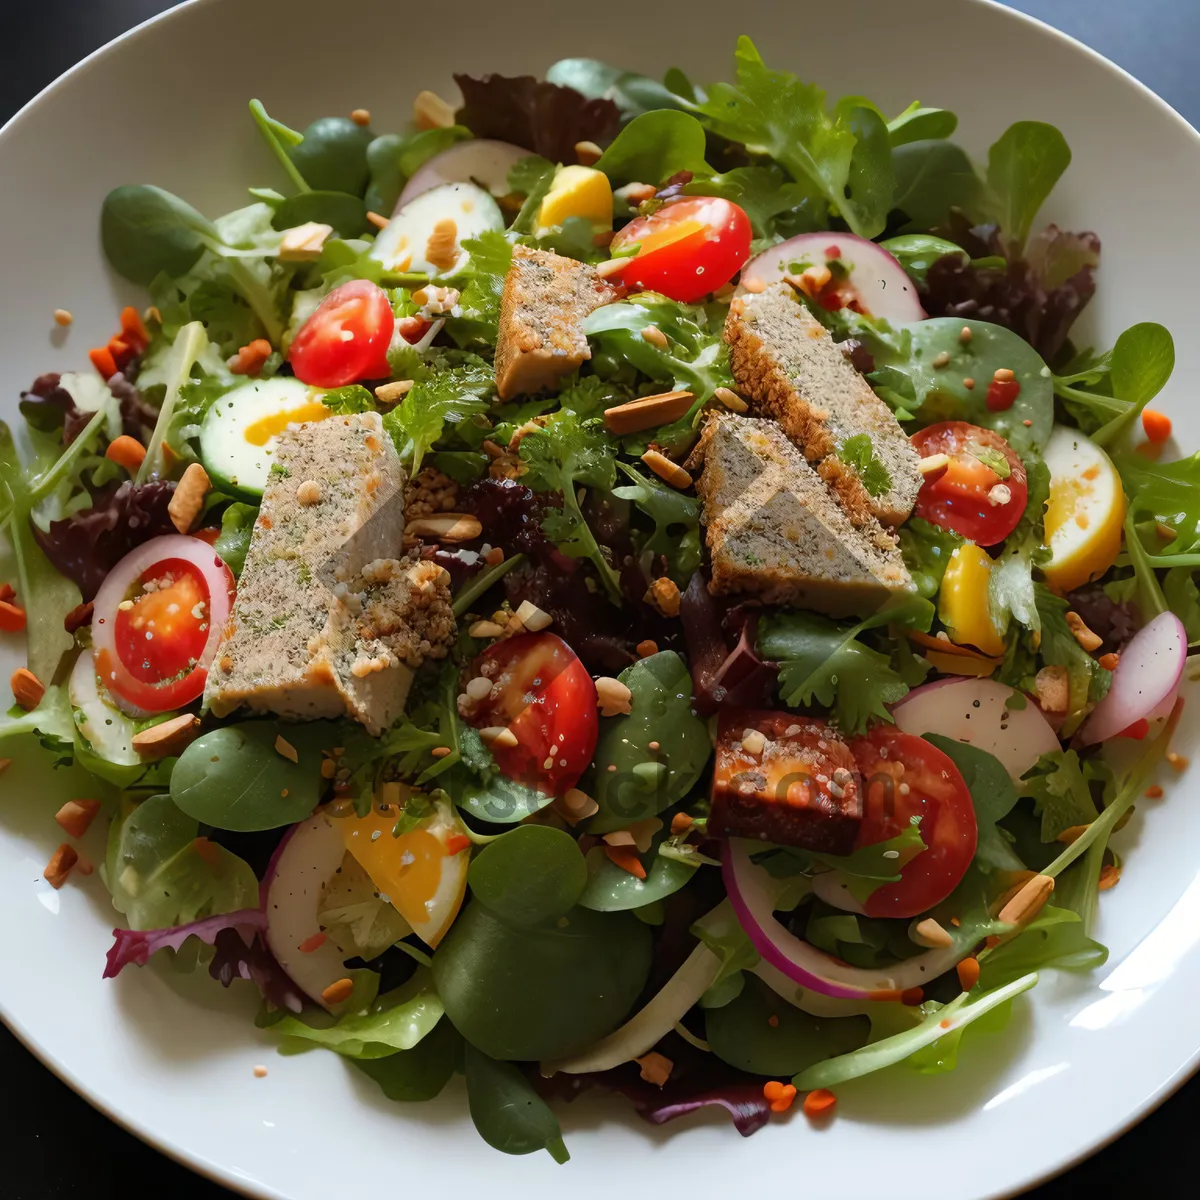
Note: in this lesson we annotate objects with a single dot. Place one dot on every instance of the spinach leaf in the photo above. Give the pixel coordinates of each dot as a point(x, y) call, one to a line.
point(926, 549)
point(419, 1073)
point(870, 180)
point(395, 1021)
point(531, 875)
point(917, 252)
point(643, 782)
point(765, 1035)
point(234, 778)
point(1140, 365)
point(654, 146)
point(541, 992)
point(613, 889)
point(932, 178)
point(993, 796)
point(347, 214)
point(161, 877)
point(509, 1114)
point(331, 156)
point(917, 123)
point(146, 232)
point(233, 542)
point(1024, 164)
point(632, 93)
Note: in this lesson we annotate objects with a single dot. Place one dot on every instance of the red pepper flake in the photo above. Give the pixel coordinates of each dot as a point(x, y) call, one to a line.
point(1137, 731)
point(1002, 393)
point(912, 996)
point(944, 1023)
point(955, 922)
point(6, 591)
point(833, 251)
point(456, 843)
point(819, 1103)
point(1153, 792)
point(210, 853)
point(992, 941)
point(313, 943)
point(626, 857)
point(773, 1021)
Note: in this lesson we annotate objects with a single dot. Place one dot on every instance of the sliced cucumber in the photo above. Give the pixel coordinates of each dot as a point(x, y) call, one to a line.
point(105, 731)
point(403, 246)
point(241, 430)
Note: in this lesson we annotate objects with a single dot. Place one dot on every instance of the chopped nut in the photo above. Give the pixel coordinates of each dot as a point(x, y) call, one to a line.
point(1003, 375)
point(168, 739)
point(643, 833)
point(78, 617)
point(188, 498)
point(377, 219)
point(1165, 532)
point(440, 751)
point(647, 648)
point(999, 494)
point(430, 111)
point(1082, 634)
point(304, 243)
point(933, 464)
point(1176, 760)
point(648, 412)
point(60, 865)
point(656, 1068)
point(532, 617)
point(1053, 689)
point(328, 768)
point(754, 741)
point(308, 493)
point(27, 688)
point(498, 735)
point(285, 748)
point(260, 1072)
point(494, 557)
point(664, 595)
point(1109, 661)
point(445, 527)
point(391, 393)
point(587, 153)
point(614, 266)
point(76, 815)
point(612, 696)
point(942, 360)
point(486, 629)
point(655, 337)
point(479, 688)
point(969, 383)
point(361, 116)
point(929, 933)
point(63, 317)
point(1028, 902)
point(666, 470)
point(636, 193)
point(442, 248)
point(731, 400)
point(965, 335)
point(1109, 876)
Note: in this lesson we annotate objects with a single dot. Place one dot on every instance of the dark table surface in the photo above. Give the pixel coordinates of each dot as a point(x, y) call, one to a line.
point(55, 1145)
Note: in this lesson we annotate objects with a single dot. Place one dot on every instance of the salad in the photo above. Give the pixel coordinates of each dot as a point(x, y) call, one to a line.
point(624, 584)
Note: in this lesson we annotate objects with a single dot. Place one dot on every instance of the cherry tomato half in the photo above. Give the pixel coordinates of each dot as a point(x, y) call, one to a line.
point(970, 496)
point(544, 695)
point(688, 248)
point(346, 339)
point(904, 777)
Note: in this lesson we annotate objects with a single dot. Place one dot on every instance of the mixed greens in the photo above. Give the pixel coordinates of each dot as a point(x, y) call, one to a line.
point(564, 865)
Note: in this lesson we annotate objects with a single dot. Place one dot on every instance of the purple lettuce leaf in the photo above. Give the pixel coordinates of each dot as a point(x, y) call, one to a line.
point(48, 406)
point(133, 947)
point(238, 958)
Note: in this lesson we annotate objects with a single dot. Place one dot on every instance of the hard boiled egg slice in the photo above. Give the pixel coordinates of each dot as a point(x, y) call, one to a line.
point(423, 872)
point(426, 236)
point(1086, 511)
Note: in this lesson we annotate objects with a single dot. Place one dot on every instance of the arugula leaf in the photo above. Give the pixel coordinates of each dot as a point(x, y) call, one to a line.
point(1089, 681)
point(993, 796)
point(509, 1115)
point(397, 1020)
point(869, 867)
point(1061, 794)
point(822, 662)
point(562, 456)
point(655, 146)
point(1024, 164)
point(1055, 938)
point(1011, 594)
point(764, 192)
point(926, 549)
point(478, 311)
point(448, 397)
point(775, 114)
point(676, 518)
point(858, 453)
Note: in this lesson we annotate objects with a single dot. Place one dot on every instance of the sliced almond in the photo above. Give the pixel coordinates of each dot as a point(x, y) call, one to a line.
point(666, 470)
point(647, 413)
point(286, 749)
point(168, 739)
point(587, 153)
point(498, 735)
point(1028, 902)
point(391, 393)
point(612, 696)
point(933, 464)
point(304, 243)
point(445, 527)
point(430, 111)
point(731, 400)
point(532, 617)
point(929, 933)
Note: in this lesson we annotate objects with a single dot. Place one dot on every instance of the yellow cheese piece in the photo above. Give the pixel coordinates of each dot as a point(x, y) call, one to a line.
point(577, 192)
point(963, 601)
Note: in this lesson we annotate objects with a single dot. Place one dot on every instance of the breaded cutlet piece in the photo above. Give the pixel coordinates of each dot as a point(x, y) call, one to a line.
point(791, 370)
point(546, 298)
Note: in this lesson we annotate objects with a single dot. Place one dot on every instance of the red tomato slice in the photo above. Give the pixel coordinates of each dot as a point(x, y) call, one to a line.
point(905, 777)
point(969, 495)
point(688, 248)
point(153, 654)
point(543, 693)
point(346, 339)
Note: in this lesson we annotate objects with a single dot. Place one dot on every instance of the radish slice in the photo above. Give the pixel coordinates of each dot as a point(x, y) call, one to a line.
point(813, 1003)
point(975, 711)
point(1145, 681)
point(304, 862)
point(877, 282)
point(830, 886)
point(752, 892)
point(481, 161)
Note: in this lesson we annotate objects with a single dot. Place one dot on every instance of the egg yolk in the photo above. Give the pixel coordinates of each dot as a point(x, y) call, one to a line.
point(265, 428)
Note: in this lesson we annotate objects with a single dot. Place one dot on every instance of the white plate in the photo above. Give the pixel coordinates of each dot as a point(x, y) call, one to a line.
point(172, 1058)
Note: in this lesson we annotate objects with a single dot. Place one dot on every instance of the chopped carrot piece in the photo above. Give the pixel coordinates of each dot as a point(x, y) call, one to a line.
point(779, 1095)
point(27, 688)
point(992, 941)
point(133, 328)
point(1157, 425)
point(313, 943)
point(912, 996)
point(60, 865)
point(1153, 792)
point(819, 1103)
point(123, 353)
point(103, 361)
point(655, 1068)
point(681, 823)
point(126, 452)
point(77, 815)
point(335, 993)
point(456, 843)
point(968, 973)
point(208, 851)
point(250, 358)
point(12, 617)
point(626, 858)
